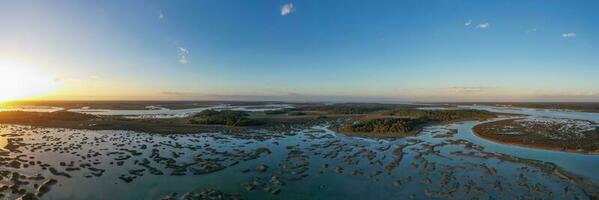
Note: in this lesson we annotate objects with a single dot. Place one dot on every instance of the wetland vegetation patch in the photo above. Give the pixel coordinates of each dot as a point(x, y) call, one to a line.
point(549, 133)
point(408, 121)
point(225, 117)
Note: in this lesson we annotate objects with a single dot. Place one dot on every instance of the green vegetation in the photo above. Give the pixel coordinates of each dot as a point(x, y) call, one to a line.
point(351, 108)
point(225, 117)
point(442, 115)
point(405, 121)
point(398, 126)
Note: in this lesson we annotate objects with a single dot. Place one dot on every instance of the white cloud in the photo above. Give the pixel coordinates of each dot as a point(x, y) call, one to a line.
point(452, 90)
point(468, 23)
point(532, 30)
point(484, 25)
point(568, 35)
point(160, 15)
point(287, 9)
point(183, 52)
point(183, 60)
point(466, 89)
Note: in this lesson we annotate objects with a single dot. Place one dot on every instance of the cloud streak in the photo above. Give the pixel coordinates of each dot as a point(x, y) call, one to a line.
point(532, 30)
point(484, 25)
point(287, 9)
point(568, 35)
point(183, 52)
point(461, 90)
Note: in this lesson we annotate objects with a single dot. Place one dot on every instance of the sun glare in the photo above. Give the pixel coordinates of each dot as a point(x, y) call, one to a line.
point(19, 80)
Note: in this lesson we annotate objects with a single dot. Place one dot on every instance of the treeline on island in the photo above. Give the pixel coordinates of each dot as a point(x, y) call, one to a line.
point(442, 115)
point(408, 121)
point(225, 117)
point(395, 126)
point(353, 108)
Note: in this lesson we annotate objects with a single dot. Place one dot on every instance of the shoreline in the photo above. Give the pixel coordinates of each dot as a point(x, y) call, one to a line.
point(476, 132)
point(414, 132)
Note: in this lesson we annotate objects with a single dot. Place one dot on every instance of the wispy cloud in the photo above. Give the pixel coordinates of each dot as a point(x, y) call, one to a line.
point(568, 35)
point(183, 52)
point(532, 30)
point(484, 25)
point(461, 90)
point(468, 22)
point(566, 96)
point(467, 89)
point(453, 92)
point(175, 93)
point(160, 15)
point(287, 9)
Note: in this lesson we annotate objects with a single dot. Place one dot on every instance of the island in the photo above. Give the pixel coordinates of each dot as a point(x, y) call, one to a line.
point(579, 136)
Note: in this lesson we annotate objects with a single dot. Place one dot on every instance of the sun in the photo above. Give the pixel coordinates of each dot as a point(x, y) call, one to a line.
point(19, 80)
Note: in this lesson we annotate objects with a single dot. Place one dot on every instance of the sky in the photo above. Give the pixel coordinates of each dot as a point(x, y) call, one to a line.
point(303, 50)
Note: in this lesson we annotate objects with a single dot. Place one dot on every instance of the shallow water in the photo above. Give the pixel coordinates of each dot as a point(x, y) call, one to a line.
point(421, 170)
point(159, 112)
point(551, 113)
point(444, 161)
point(30, 108)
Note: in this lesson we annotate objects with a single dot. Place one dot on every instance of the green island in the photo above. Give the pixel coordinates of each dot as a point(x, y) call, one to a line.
point(408, 121)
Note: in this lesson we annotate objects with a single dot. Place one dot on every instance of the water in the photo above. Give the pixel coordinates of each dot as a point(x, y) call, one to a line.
point(540, 112)
point(438, 108)
point(30, 108)
point(150, 111)
point(159, 112)
point(436, 163)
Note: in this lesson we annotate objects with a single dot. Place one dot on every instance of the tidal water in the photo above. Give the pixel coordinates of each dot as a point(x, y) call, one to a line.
point(30, 108)
point(160, 112)
point(533, 112)
point(444, 161)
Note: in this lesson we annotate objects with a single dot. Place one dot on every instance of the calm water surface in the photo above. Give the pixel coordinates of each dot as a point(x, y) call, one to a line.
point(313, 163)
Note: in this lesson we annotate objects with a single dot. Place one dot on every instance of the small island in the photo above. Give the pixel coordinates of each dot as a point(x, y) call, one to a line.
point(403, 122)
point(570, 135)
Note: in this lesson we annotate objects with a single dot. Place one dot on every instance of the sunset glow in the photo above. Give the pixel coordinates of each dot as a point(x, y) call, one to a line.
point(19, 80)
point(310, 99)
point(292, 51)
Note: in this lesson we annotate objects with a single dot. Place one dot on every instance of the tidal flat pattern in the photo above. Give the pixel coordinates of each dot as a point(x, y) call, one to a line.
point(315, 163)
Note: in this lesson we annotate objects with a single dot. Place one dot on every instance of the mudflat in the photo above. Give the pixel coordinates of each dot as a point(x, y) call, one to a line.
point(578, 136)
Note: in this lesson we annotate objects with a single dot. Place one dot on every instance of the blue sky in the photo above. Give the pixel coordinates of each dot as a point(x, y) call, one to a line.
point(309, 50)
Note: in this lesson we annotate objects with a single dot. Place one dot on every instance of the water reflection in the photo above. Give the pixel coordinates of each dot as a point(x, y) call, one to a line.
point(159, 112)
point(3, 142)
point(443, 162)
point(30, 108)
point(539, 112)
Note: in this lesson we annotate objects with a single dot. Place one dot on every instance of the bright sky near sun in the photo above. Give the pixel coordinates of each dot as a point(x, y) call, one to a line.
point(308, 50)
